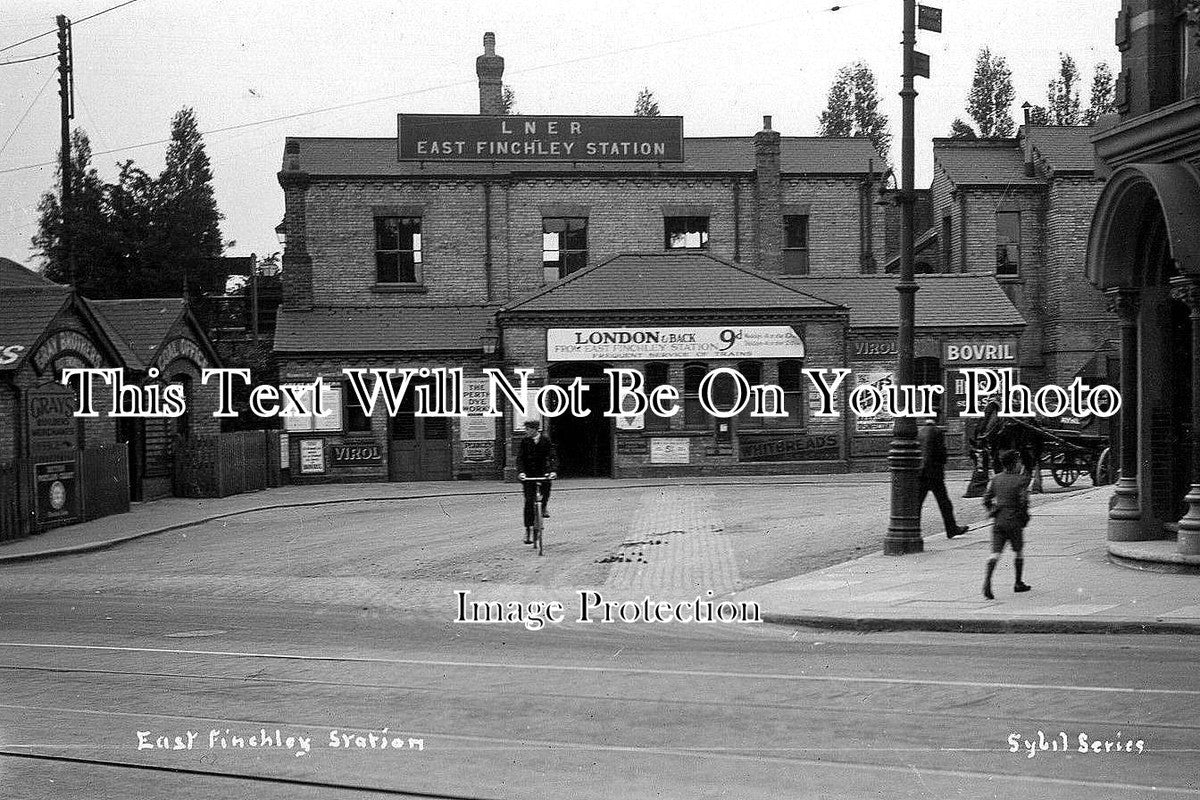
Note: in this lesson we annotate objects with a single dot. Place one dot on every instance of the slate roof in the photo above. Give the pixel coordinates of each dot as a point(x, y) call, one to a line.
point(28, 311)
point(798, 154)
point(949, 301)
point(650, 282)
point(13, 274)
point(335, 329)
point(983, 162)
point(138, 327)
point(1065, 148)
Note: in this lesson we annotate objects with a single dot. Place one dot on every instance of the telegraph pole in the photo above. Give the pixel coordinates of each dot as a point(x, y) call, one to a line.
point(904, 455)
point(66, 91)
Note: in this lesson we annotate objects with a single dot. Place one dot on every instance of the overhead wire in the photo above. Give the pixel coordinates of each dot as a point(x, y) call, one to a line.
point(32, 103)
point(368, 101)
point(76, 22)
point(26, 60)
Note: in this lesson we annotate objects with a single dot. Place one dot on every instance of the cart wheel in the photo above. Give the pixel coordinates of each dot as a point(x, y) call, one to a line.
point(1065, 473)
point(1102, 472)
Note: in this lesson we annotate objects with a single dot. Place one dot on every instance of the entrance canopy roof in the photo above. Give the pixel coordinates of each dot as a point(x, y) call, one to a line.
point(1131, 198)
point(668, 281)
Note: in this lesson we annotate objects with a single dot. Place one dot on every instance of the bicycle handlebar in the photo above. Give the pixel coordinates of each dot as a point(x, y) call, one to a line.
point(537, 478)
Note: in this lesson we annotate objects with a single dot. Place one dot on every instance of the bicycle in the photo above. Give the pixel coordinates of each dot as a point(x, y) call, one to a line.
point(539, 521)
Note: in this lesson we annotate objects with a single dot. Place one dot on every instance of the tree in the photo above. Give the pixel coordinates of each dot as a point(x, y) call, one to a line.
point(90, 237)
point(961, 130)
point(852, 108)
point(133, 211)
point(646, 105)
point(991, 95)
point(140, 236)
point(508, 100)
point(188, 208)
point(1062, 93)
point(1103, 100)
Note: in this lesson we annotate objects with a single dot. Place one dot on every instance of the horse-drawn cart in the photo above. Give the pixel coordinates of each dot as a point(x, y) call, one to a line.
point(1066, 453)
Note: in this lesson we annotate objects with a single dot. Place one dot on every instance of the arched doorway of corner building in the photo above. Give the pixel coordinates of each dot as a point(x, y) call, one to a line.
point(418, 447)
point(584, 444)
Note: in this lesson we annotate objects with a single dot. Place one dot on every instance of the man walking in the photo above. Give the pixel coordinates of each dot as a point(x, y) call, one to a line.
point(933, 475)
point(535, 459)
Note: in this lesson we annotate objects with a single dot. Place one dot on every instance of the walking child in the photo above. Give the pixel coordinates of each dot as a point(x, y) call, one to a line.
point(1007, 500)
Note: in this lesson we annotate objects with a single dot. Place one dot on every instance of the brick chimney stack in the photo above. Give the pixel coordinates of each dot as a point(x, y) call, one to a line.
point(490, 69)
point(769, 189)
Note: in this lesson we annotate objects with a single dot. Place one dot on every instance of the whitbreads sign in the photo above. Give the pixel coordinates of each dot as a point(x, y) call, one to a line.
point(471, 137)
point(643, 344)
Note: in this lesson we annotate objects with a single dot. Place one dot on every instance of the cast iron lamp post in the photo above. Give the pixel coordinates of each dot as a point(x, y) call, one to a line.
point(904, 455)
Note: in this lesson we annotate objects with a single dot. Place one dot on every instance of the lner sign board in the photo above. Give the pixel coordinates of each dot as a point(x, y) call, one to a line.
point(640, 344)
point(469, 137)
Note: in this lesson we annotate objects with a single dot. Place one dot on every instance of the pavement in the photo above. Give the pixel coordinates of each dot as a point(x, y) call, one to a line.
point(1076, 588)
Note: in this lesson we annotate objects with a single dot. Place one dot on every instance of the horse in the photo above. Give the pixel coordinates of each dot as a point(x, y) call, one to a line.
point(997, 434)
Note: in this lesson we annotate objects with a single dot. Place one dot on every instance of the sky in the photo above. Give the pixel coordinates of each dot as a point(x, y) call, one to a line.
point(256, 71)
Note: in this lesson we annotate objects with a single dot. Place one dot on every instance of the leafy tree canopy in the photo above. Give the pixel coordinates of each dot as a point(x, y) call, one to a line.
point(852, 108)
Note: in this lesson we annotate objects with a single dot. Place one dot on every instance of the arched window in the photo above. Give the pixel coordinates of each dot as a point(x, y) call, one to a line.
point(752, 372)
point(183, 423)
point(793, 392)
point(693, 413)
point(927, 371)
point(657, 374)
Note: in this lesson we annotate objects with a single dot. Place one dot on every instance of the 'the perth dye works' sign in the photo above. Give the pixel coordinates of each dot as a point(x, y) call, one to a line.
point(469, 137)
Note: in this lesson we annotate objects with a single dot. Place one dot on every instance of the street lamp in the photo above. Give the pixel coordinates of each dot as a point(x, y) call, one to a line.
point(904, 455)
point(281, 234)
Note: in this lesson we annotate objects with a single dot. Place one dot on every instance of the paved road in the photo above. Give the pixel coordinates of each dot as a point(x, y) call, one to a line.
point(573, 710)
point(318, 623)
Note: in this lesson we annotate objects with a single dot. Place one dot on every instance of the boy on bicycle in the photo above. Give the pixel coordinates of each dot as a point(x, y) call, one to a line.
point(535, 458)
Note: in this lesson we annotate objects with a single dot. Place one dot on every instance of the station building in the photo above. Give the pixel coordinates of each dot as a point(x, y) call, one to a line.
point(476, 241)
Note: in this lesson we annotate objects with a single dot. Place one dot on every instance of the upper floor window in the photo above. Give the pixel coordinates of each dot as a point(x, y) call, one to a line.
point(947, 237)
point(398, 249)
point(795, 244)
point(564, 246)
point(685, 233)
point(1008, 243)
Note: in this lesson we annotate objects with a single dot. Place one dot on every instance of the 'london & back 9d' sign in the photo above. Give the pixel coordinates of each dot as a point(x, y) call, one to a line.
point(469, 137)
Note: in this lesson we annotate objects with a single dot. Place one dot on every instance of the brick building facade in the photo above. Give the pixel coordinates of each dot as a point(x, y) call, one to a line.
point(1019, 209)
point(410, 262)
point(1144, 254)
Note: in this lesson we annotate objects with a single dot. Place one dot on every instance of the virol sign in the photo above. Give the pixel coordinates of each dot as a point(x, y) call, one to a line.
point(982, 352)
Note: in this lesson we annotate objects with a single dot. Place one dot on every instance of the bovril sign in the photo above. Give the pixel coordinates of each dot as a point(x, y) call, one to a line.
point(987, 351)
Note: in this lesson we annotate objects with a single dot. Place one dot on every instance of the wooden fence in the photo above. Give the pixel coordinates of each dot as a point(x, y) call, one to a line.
point(104, 473)
point(227, 463)
point(13, 523)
